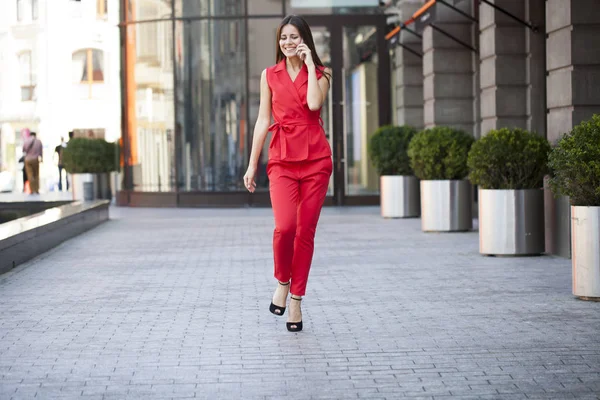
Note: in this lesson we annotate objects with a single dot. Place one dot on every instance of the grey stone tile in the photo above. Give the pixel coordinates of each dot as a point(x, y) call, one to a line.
point(172, 303)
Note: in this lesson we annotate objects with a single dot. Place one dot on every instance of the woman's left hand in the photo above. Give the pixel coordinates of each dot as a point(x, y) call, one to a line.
point(304, 53)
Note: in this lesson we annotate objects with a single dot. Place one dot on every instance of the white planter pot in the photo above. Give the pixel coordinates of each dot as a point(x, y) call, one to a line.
point(84, 187)
point(399, 196)
point(585, 248)
point(446, 205)
point(511, 222)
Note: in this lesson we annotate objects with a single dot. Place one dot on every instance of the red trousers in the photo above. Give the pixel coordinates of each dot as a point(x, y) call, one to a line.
point(298, 190)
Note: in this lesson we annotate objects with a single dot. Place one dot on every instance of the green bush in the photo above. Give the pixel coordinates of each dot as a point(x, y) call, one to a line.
point(509, 159)
point(387, 149)
point(84, 155)
point(440, 153)
point(575, 164)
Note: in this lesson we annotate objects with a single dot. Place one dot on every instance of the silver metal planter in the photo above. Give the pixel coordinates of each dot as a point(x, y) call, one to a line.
point(446, 206)
point(511, 222)
point(585, 243)
point(399, 196)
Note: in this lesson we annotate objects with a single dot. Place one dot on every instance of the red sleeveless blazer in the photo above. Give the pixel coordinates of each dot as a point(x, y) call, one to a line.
point(298, 133)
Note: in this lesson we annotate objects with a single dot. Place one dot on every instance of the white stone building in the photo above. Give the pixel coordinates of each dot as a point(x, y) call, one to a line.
point(59, 63)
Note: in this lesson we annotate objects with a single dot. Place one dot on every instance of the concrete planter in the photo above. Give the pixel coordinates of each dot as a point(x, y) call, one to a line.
point(511, 222)
point(399, 196)
point(88, 187)
point(104, 191)
point(446, 205)
point(585, 244)
point(84, 187)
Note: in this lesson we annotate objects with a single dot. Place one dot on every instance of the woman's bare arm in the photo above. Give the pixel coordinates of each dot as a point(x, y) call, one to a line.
point(263, 121)
point(316, 92)
point(260, 132)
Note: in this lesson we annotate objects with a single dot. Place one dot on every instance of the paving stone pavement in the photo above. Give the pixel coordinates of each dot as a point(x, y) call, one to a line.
point(173, 303)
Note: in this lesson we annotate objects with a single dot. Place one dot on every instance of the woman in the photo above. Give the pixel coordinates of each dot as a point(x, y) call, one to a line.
point(299, 167)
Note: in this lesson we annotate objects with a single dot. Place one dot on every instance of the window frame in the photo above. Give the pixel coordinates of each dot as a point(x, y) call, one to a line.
point(31, 84)
point(89, 68)
point(102, 9)
point(20, 5)
point(34, 9)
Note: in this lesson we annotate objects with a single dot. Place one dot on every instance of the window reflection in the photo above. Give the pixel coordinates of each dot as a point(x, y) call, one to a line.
point(265, 7)
point(261, 36)
point(308, 7)
point(211, 102)
point(150, 108)
point(361, 111)
point(322, 38)
point(205, 8)
point(140, 10)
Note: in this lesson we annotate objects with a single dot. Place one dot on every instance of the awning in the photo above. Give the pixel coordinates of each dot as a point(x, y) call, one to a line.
point(426, 16)
point(394, 34)
point(534, 28)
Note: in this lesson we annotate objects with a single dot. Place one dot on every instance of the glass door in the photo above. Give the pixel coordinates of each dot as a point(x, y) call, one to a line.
point(359, 100)
point(360, 108)
point(322, 39)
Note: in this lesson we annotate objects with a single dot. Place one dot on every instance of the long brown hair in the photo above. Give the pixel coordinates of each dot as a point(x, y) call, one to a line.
point(307, 38)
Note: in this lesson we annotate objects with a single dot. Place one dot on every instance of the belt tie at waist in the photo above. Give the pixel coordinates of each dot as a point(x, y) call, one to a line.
point(287, 126)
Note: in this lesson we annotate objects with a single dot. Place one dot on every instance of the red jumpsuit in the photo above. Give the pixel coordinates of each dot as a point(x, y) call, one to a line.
point(299, 169)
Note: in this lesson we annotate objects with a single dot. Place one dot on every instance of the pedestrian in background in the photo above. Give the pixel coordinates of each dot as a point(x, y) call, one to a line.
point(24, 136)
point(300, 165)
point(24, 174)
point(59, 151)
point(33, 156)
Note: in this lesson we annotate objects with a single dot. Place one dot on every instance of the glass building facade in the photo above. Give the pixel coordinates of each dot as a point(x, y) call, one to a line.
point(191, 75)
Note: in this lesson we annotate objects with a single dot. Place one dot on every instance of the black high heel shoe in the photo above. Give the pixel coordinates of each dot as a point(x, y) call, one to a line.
point(294, 326)
point(276, 309)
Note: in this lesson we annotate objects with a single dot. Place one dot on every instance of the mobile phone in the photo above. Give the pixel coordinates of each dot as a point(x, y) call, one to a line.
point(302, 56)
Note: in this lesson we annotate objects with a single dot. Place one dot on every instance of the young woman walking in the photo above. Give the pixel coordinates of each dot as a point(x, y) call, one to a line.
point(300, 165)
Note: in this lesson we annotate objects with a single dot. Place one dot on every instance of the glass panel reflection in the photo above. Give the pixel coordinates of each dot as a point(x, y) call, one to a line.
point(150, 106)
point(265, 7)
point(211, 103)
point(143, 10)
point(261, 36)
point(205, 8)
point(322, 38)
point(308, 7)
point(360, 108)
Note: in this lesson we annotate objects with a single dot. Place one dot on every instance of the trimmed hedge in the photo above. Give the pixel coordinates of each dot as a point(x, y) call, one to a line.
point(509, 159)
point(575, 164)
point(440, 153)
point(388, 147)
point(84, 155)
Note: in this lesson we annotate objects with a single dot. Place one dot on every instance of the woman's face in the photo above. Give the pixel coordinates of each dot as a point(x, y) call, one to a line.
point(289, 40)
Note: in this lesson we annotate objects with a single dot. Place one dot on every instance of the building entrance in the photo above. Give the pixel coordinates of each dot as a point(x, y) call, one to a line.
point(188, 127)
point(359, 100)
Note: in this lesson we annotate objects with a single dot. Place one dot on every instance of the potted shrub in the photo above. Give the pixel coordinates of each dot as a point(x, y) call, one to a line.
point(438, 157)
point(399, 188)
point(509, 166)
point(575, 166)
point(89, 161)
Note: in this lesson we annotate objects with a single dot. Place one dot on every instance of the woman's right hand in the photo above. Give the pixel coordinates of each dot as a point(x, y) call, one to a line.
point(249, 177)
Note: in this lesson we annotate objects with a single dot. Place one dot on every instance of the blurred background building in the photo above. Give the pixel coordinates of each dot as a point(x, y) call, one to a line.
point(60, 63)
